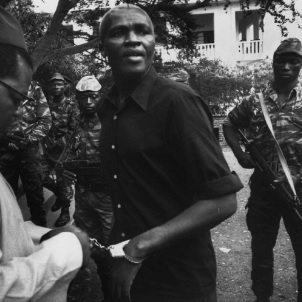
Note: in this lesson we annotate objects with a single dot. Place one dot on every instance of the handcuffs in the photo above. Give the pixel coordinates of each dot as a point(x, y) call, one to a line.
point(115, 250)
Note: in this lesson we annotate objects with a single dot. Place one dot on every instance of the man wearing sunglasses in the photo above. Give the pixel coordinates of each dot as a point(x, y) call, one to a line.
point(19, 151)
point(28, 272)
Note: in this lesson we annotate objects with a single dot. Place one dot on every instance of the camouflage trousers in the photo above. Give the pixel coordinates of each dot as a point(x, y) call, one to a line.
point(265, 210)
point(55, 183)
point(26, 164)
point(93, 213)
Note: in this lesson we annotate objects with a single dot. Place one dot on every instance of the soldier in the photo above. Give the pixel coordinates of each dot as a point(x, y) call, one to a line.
point(93, 210)
point(20, 154)
point(63, 114)
point(283, 100)
point(93, 205)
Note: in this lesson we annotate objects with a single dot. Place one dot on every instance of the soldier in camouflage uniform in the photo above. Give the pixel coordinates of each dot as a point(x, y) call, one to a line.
point(283, 99)
point(93, 211)
point(64, 114)
point(93, 206)
point(20, 154)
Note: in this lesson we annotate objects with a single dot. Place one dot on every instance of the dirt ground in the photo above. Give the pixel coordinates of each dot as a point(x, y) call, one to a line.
point(232, 244)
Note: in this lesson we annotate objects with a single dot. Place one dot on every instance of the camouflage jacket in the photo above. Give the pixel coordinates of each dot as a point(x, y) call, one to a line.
point(35, 119)
point(85, 146)
point(64, 115)
point(87, 141)
point(287, 125)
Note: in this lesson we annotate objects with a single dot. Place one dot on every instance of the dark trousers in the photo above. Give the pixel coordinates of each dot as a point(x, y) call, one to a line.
point(265, 210)
point(26, 164)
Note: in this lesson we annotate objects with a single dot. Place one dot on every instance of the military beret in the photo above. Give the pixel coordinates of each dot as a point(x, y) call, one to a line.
point(88, 83)
point(10, 30)
point(57, 76)
point(290, 45)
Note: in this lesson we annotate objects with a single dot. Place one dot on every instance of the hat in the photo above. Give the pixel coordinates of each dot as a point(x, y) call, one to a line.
point(88, 83)
point(290, 45)
point(10, 30)
point(180, 76)
point(57, 76)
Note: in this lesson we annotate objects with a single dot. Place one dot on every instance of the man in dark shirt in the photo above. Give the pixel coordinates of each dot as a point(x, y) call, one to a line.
point(168, 178)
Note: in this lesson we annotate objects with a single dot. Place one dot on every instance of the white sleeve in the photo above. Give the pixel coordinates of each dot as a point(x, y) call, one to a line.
point(42, 274)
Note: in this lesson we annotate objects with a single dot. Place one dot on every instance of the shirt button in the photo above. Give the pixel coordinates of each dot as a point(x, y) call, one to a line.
point(115, 176)
point(112, 147)
point(123, 234)
point(119, 206)
point(114, 117)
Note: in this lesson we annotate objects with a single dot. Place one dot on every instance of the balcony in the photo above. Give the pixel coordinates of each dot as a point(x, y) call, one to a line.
point(250, 50)
point(243, 51)
point(206, 50)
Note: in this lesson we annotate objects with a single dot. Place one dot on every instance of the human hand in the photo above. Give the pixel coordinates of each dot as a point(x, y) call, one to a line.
point(245, 160)
point(122, 275)
point(82, 237)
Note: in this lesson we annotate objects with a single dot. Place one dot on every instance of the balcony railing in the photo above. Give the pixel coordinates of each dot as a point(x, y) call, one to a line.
point(249, 50)
point(206, 50)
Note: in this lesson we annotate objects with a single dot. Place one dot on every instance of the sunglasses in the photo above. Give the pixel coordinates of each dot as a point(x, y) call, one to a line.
point(24, 97)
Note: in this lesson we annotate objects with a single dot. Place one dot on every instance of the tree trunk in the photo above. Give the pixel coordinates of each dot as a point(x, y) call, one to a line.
point(41, 51)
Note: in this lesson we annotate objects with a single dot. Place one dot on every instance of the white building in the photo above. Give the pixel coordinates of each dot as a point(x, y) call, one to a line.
point(232, 37)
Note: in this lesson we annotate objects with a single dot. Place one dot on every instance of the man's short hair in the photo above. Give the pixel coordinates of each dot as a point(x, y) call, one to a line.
point(9, 60)
point(106, 18)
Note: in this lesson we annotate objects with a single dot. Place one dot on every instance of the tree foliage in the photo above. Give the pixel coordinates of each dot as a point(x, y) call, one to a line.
point(220, 86)
point(48, 40)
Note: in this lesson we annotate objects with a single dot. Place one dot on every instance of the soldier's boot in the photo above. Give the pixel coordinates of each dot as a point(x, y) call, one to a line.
point(57, 205)
point(64, 217)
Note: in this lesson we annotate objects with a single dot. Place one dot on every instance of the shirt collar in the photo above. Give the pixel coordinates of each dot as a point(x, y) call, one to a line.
point(141, 93)
point(273, 94)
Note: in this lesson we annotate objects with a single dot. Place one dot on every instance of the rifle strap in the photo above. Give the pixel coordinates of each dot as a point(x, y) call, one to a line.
point(279, 150)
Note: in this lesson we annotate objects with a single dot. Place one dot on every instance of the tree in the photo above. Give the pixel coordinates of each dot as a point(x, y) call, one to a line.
point(220, 86)
point(43, 32)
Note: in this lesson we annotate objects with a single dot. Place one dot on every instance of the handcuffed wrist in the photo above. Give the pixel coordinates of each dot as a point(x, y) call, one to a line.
point(134, 260)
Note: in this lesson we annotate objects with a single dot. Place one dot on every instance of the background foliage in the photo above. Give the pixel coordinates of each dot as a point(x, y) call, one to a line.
point(52, 44)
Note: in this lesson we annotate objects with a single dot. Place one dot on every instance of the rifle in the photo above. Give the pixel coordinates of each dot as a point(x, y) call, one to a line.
point(281, 188)
point(83, 167)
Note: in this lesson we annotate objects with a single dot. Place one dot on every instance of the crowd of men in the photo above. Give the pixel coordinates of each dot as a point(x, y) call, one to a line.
point(145, 168)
